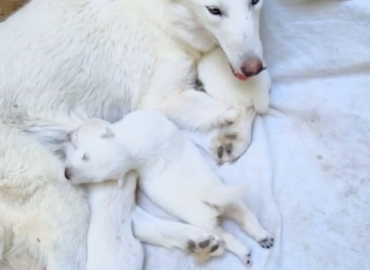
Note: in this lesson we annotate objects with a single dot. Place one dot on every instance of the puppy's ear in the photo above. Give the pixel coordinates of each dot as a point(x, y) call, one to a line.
point(107, 134)
point(68, 137)
point(72, 136)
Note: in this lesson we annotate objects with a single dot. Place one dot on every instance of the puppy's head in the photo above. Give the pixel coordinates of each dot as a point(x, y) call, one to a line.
point(91, 153)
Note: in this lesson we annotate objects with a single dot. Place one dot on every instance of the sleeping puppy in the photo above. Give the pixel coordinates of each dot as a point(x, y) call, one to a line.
point(173, 174)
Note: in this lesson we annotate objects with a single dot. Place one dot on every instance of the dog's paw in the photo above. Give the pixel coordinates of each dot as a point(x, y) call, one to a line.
point(229, 116)
point(267, 242)
point(230, 142)
point(229, 146)
point(247, 260)
point(205, 248)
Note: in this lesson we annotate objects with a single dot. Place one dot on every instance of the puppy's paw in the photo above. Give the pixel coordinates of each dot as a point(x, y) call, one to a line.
point(206, 247)
point(247, 260)
point(229, 146)
point(267, 242)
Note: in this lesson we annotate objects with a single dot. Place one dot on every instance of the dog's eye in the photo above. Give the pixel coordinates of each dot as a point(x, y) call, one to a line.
point(215, 10)
point(255, 2)
point(85, 157)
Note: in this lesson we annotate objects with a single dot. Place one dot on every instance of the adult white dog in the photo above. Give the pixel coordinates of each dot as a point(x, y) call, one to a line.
point(171, 170)
point(68, 60)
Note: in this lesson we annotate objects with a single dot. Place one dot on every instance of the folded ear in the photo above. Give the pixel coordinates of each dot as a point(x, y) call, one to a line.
point(68, 137)
point(107, 134)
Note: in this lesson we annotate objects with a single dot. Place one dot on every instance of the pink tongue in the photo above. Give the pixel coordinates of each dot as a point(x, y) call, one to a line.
point(241, 77)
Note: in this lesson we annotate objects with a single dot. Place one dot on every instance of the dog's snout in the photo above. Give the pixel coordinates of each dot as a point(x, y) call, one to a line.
point(252, 67)
point(68, 173)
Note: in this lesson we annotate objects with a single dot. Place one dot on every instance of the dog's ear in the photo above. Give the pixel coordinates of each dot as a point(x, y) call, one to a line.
point(107, 134)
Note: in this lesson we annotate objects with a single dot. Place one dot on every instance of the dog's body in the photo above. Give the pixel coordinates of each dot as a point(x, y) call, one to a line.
point(33, 200)
point(172, 172)
point(65, 61)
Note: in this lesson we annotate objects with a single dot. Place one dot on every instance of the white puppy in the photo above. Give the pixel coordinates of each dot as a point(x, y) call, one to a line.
point(172, 172)
point(252, 96)
point(111, 244)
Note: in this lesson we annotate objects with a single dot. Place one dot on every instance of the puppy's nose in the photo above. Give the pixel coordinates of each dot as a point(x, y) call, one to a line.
point(67, 173)
point(251, 67)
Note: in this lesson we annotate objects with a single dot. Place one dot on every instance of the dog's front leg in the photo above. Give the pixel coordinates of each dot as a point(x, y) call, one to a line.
point(170, 234)
point(195, 110)
point(230, 142)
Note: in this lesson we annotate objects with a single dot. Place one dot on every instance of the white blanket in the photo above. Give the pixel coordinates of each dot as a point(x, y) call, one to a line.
point(308, 167)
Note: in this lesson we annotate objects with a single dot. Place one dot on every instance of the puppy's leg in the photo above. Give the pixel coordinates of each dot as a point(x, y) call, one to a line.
point(205, 218)
point(230, 142)
point(235, 246)
point(171, 234)
point(249, 223)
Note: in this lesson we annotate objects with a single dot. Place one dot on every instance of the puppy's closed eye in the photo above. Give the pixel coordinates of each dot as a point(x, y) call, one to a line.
point(85, 157)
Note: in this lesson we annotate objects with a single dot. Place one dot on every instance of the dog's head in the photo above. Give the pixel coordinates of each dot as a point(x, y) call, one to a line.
point(90, 153)
point(234, 24)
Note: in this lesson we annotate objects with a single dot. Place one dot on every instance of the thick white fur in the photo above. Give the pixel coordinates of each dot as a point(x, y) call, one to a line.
point(172, 172)
point(230, 142)
point(115, 219)
point(65, 61)
point(35, 203)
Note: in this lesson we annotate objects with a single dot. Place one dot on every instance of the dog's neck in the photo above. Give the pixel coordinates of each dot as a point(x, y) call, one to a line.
point(179, 23)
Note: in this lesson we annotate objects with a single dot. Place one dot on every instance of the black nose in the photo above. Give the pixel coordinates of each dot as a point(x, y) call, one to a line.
point(252, 67)
point(67, 173)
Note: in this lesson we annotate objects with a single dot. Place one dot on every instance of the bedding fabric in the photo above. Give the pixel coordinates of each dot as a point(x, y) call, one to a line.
point(308, 168)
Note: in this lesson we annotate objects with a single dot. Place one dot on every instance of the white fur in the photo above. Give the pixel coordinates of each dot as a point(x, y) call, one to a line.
point(230, 142)
point(172, 172)
point(65, 61)
point(111, 244)
point(46, 217)
point(111, 241)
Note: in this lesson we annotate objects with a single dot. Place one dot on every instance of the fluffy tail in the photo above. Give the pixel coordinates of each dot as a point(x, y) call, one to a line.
point(224, 195)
